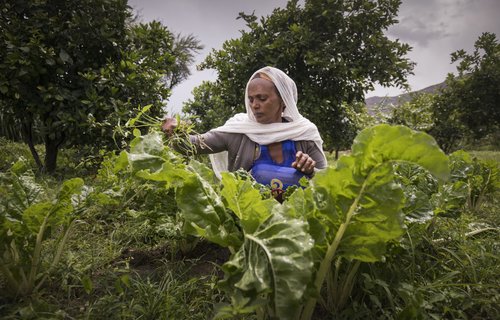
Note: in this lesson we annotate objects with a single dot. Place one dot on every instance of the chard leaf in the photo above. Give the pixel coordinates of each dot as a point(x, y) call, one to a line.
point(301, 205)
point(383, 143)
point(150, 144)
point(172, 174)
point(204, 213)
point(418, 186)
point(146, 153)
point(450, 199)
point(361, 197)
point(245, 201)
point(275, 261)
point(377, 219)
point(144, 161)
point(70, 188)
point(19, 190)
point(204, 171)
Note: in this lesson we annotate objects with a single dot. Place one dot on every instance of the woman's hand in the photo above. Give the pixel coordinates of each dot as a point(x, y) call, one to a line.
point(304, 163)
point(168, 126)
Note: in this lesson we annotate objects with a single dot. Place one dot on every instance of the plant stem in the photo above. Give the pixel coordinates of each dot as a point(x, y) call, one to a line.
point(62, 243)
point(330, 254)
point(35, 261)
point(11, 280)
point(347, 285)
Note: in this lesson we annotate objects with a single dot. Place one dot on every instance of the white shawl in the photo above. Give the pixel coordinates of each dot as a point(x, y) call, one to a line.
point(298, 127)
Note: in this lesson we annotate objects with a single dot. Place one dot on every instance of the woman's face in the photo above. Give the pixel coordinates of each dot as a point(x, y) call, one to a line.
point(265, 102)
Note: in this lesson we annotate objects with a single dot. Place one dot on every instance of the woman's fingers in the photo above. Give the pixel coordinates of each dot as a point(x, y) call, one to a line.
point(304, 163)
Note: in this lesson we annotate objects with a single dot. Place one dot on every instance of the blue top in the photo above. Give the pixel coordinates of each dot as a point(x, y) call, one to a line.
point(278, 176)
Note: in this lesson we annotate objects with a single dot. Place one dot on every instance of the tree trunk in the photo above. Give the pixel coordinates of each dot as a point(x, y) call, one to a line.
point(28, 137)
point(51, 150)
point(336, 153)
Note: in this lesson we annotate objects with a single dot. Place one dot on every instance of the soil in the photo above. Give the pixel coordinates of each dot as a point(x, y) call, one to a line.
point(204, 259)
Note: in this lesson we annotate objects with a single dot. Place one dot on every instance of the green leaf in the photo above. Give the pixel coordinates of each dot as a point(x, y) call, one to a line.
point(146, 108)
point(19, 167)
point(151, 144)
point(418, 185)
point(136, 132)
point(34, 215)
point(383, 143)
point(377, 219)
point(275, 261)
point(70, 188)
point(147, 153)
point(361, 193)
point(245, 201)
point(204, 213)
point(203, 170)
point(87, 284)
point(170, 173)
point(121, 162)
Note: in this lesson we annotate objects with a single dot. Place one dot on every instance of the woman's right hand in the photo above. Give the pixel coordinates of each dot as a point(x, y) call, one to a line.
point(168, 126)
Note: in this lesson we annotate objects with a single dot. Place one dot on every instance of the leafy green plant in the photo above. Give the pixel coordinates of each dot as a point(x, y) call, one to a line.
point(28, 217)
point(283, 253)
point(481, 178)
point(446, 256)
point(358, 205)
point(144, 122)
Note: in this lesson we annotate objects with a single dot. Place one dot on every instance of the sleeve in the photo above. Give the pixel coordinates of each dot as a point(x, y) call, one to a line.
point(210, 142)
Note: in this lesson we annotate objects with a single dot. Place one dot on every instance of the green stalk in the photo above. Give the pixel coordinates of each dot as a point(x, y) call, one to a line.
point(330, 254)
point(11, 280)
point(332, 282)
point(57, 257)
point(482, 193)
point(35, 261)
point(347, 285)
point(259, 312)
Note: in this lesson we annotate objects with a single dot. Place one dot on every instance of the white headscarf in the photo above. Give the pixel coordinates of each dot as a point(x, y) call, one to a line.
point(297, 128)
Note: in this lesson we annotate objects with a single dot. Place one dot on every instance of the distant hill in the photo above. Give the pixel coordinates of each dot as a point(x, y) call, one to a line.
point(386, 104)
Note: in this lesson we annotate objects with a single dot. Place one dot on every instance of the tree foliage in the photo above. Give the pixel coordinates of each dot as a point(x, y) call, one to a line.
point(416, 113)
point(44, 47)
point(70, 70)
point(334, 51)
point(469, 107)
point(151, 64)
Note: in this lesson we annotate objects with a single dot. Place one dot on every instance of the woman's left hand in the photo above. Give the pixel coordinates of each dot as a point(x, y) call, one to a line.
point(304, 163)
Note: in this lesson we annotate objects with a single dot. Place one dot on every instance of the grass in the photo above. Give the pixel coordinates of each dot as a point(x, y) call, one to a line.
point(486, 155)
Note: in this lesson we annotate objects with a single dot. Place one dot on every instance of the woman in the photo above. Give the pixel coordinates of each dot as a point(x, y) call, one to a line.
point(271, 140)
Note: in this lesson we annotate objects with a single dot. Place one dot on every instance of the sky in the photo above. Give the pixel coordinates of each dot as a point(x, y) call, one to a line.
point(433, 28)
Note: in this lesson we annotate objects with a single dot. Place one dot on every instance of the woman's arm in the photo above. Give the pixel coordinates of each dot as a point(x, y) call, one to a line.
point(209, 142)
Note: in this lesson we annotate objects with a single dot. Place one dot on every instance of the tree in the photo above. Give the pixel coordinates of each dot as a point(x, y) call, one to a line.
point(206, 104)
point(44, 45)
point(470, 104)
point(70, 70)
point(151, 64)
point(416, 113)
point(334, 50)
point(355, 118)
point(183, 50)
